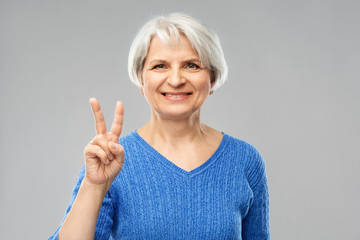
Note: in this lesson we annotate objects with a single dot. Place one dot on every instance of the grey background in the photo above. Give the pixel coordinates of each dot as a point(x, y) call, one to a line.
point(292, 92)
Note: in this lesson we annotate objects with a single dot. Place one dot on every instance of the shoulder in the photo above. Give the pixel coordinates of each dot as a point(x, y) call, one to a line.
point(254, 164)
point(241, 146)
point(129, 139)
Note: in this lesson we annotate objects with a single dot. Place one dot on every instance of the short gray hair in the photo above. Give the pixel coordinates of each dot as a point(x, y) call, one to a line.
point(204, 41)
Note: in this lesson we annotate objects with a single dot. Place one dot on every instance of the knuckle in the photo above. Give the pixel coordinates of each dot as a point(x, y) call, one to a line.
point(100, 137)
point(95, 140)
point(121, 149)
point(111, 137)
point(103, 141)
point(96, 148)
point(103, 154)
point(87, 148)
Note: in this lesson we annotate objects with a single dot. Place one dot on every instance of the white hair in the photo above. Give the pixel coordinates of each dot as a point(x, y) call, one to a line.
point(204, 41)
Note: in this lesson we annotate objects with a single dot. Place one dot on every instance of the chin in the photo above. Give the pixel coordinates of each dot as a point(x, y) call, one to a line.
point(178, 115)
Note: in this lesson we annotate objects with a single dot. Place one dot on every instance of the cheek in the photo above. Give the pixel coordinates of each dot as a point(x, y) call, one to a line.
point(154, 80)
point(203, 83)
point(151, 83)
point(146, 80)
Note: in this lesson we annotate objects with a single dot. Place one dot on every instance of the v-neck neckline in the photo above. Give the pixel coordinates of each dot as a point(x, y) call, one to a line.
point(173, 167)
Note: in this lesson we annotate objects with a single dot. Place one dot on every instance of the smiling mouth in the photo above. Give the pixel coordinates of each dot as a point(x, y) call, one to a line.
point(175, 94)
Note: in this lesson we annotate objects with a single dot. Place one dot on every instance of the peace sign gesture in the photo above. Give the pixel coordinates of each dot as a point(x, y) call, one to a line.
point(104, 157)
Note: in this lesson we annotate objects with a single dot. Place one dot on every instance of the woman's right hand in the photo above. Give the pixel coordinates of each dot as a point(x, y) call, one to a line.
point(104, 157)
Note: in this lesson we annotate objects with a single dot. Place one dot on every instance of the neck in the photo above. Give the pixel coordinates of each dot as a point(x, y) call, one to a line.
point(173, 131)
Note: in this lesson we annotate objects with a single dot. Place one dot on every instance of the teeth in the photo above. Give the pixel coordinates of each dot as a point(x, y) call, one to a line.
point(177, 95)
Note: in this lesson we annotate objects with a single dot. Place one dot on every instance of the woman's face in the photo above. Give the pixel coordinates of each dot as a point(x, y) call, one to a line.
point(175, 83)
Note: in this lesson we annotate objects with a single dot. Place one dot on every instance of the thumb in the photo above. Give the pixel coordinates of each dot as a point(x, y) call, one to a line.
point(116, 149)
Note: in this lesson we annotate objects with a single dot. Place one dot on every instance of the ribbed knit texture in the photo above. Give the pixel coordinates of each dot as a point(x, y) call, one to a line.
point(152, 198)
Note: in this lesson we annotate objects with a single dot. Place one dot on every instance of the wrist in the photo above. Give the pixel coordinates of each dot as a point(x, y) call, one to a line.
point(94, 189)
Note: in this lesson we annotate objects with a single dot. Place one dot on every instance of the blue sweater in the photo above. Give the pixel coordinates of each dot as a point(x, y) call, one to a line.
point(152, 198)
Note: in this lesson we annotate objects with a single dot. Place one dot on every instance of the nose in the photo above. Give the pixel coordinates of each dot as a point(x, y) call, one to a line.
point(176, 79)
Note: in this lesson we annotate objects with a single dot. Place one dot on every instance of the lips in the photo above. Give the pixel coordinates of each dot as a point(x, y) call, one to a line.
point(176, 96)
point(172, 94)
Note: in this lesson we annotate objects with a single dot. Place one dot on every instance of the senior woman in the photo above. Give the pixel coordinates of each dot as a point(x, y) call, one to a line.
point(175, 177)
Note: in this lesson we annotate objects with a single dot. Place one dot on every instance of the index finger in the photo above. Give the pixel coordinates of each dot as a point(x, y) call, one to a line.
point(98, 115)
point(117, 125)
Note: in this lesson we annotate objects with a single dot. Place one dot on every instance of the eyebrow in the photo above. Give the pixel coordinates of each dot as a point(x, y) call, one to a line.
point(193, 60)
point(156, 61)
point(159, 60)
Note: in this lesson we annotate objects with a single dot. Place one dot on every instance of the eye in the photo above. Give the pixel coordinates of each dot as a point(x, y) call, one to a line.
point(192, 66)
point(159, 66)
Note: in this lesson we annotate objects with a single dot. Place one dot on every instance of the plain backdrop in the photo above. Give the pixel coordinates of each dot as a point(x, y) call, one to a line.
point(292, 92)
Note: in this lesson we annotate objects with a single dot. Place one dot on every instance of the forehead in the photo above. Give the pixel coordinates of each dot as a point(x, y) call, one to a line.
point(180, 47)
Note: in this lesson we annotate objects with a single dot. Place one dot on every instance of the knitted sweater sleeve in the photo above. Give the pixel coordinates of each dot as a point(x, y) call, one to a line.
point(256, 223)
point(105, 218)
